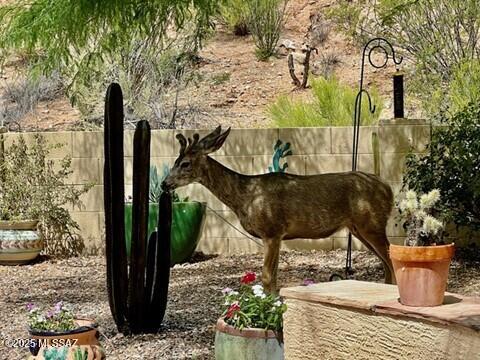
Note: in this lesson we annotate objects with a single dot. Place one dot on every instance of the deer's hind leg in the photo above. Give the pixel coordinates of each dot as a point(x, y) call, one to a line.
point(377, 242)
point(270, 264)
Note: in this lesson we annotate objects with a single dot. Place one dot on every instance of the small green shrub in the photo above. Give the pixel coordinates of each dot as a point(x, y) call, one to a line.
point(220, 78)
point(234, 14)
point(33, 187)
point(451, 165)
point(267, 18)
point(333, 104)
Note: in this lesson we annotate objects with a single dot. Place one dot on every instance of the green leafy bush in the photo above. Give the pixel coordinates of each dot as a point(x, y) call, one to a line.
point(33, 187)
point(333, 104)
point(267, 18)
point(451, 165)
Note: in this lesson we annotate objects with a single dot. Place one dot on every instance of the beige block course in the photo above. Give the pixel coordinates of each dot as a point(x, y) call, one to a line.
point(240, 164)
point(92, 200)
point(306, 141)
point(86, 170)
point(243, 142)
point(217, 227)
point(91, 225)
point(213, 245)
point(154, 161)
point(392, 166)
point(296, 164)
point(243, 245)
point(164, 144)
point(323, 164)
point(403, 138)
point(342, 139)
point(63, 138)
point(87, 144)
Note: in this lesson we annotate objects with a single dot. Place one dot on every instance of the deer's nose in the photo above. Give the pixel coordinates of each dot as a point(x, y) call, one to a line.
point(164, 186)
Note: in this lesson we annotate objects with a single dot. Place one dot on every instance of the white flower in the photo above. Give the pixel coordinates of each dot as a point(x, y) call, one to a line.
point(277, 303)
point(261, 296)
point(411, 195)
point(428, 200)
point(41, 318)
point(431, 225)
point(257, 288)
point(233, 293)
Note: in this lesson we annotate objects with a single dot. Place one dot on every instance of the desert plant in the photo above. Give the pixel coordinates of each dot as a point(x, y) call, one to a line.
point(22, 96)
point(267, 18)
point(57, 319)
point(34, 187)
point(155, 189)
point(234, 13)
point(435, 35)
point(452, 165)
point(138, 288)
point(333, 105)
point(417, 215)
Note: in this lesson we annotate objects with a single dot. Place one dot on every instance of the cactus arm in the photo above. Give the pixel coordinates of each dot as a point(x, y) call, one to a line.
point(141, 165)
point(114, 195)
point(158, 303)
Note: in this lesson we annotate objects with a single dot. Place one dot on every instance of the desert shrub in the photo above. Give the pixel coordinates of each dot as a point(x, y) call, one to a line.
point(267, 18)
point(34, 187)
point(437, 36)
point(452, 165)
point(234, 14)
point(333, 104)
point(22, 96)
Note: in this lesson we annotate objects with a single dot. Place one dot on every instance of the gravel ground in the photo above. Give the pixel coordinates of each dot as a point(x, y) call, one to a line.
point(194, 299)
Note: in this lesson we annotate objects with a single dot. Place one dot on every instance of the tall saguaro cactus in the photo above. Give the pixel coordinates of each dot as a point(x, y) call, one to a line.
point(137, 287)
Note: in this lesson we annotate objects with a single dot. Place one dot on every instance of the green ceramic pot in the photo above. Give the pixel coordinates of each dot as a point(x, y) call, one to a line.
point(187, 224)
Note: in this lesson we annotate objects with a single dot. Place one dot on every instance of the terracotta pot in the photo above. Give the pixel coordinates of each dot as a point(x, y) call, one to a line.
point(421, 273)
point(70, 344)
point(20, 242)
point(247, 344)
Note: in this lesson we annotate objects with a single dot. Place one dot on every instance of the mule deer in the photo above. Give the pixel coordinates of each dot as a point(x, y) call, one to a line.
point(279, 206)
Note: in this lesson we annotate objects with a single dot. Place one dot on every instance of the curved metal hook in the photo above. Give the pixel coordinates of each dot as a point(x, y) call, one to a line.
point(371, 107)
point(385, 47)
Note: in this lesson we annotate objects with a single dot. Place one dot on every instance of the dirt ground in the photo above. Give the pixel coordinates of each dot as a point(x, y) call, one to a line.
point(194, 296)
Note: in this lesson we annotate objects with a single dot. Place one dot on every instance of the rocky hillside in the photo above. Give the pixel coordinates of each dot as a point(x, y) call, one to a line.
point(235, 88)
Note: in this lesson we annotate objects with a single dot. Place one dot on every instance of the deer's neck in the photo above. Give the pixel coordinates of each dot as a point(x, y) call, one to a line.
point(227, 185)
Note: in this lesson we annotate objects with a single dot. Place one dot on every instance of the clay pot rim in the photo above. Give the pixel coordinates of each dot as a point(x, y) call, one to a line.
point(19, 224)
point(88, 325)
point(422, 253)
point(225, 328)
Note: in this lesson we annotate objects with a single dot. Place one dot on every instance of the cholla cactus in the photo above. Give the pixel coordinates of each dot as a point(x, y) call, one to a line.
point(422, 228)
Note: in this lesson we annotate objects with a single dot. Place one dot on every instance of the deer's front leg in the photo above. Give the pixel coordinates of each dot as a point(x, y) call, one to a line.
point(270, 264)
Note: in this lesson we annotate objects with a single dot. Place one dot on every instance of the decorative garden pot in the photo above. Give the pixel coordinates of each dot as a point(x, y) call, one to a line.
point(246, 344)
point(80, 343)
point(421, 273)
point(20, 242)
point(187, 224)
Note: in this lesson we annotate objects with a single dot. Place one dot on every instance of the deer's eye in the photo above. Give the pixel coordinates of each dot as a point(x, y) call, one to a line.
point(185, 165)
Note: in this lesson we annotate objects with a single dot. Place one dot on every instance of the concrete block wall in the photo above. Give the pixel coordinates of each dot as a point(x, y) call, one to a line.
point(249, 151)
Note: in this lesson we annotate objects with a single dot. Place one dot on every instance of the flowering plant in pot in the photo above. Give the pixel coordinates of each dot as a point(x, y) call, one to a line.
point(251, 323)
point(57, 333)
point(421, 265)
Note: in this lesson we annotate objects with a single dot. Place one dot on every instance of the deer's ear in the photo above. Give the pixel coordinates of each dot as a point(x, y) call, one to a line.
point(215, 143)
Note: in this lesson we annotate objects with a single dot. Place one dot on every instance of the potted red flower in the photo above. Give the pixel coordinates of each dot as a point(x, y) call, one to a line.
point(251, 323)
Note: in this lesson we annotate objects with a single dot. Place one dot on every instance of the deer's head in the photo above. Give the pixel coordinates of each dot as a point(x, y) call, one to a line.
point(192, 161)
